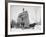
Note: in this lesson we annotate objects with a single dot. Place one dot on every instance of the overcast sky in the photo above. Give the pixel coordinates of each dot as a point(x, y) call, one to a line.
point(33, 11)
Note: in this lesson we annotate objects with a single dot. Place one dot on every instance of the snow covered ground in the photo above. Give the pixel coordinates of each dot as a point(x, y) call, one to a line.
point(37, 29)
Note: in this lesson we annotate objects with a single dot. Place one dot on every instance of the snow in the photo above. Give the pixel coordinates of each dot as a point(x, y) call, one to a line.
point(37, 29)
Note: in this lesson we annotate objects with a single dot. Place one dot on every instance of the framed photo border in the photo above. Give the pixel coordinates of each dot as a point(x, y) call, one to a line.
point(6, 18)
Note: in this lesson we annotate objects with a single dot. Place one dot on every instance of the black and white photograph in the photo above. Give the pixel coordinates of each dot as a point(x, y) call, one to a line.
point(25, 18)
